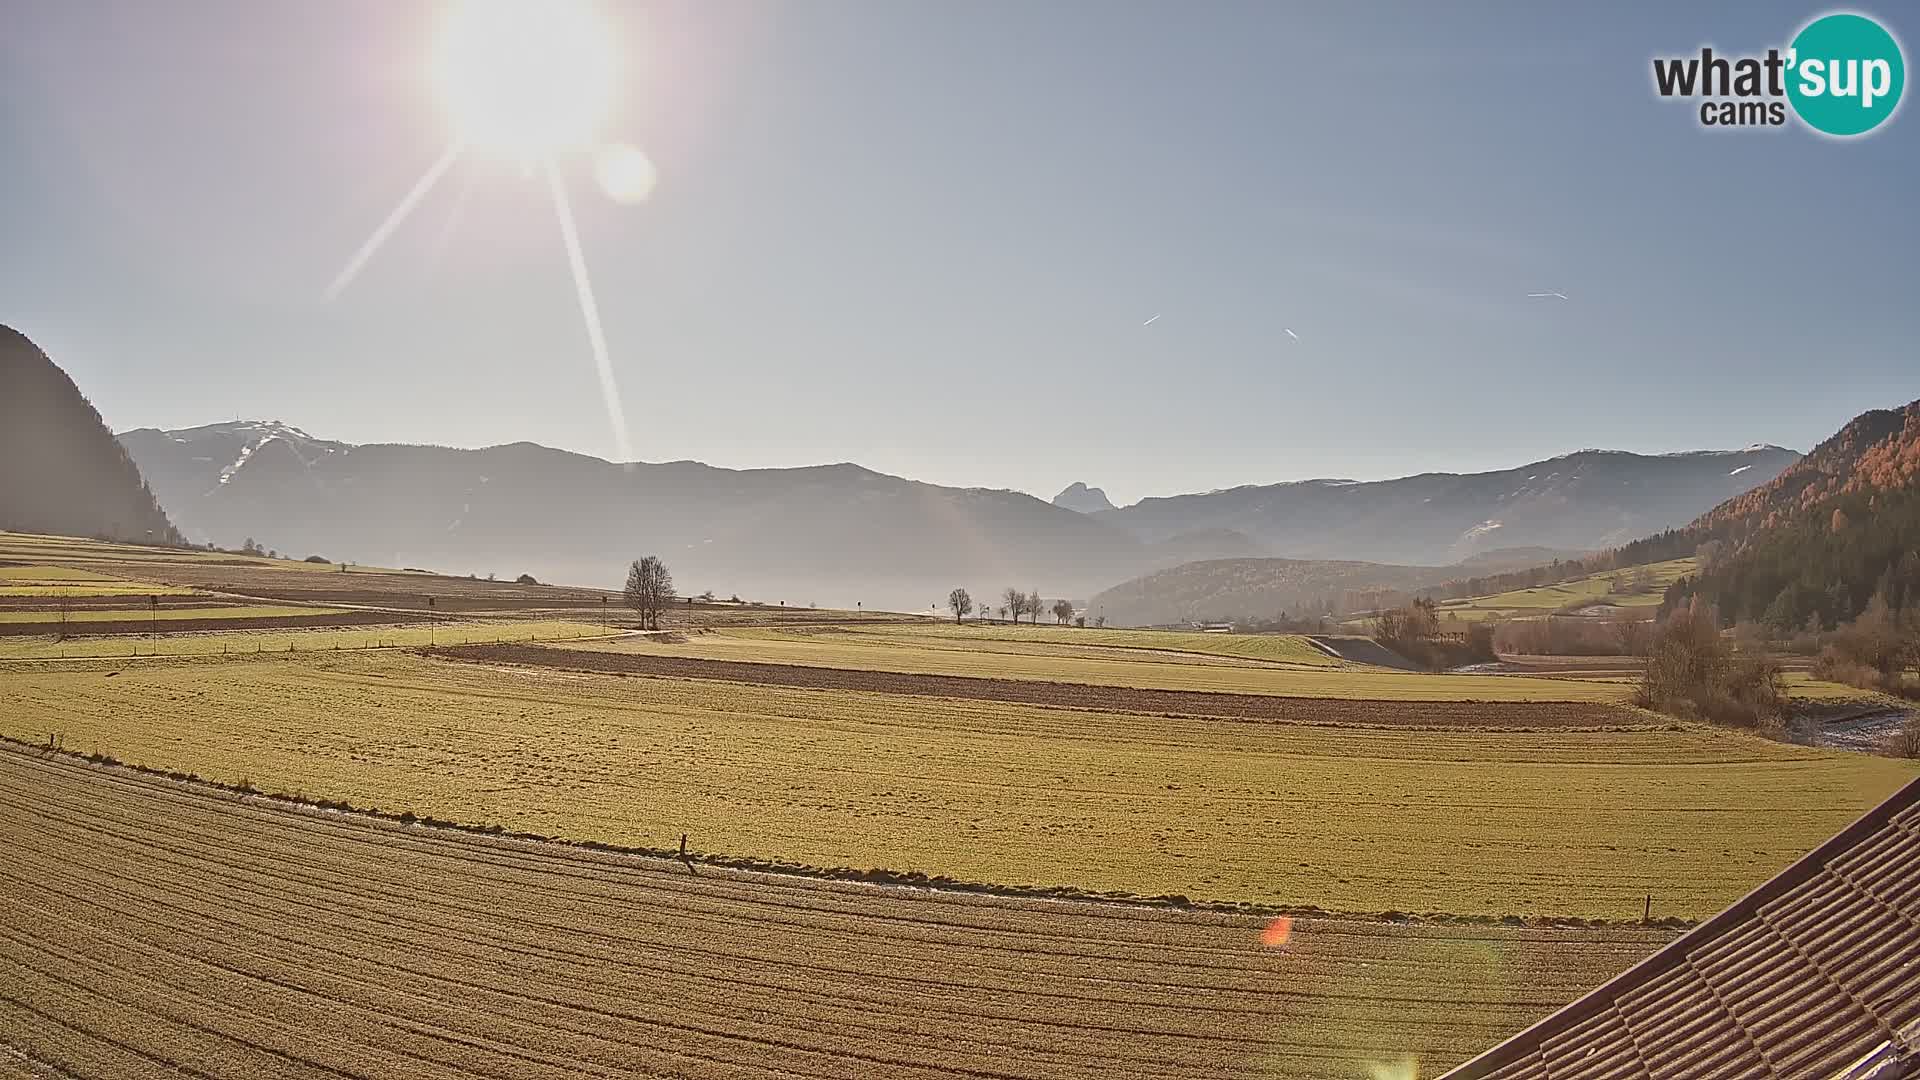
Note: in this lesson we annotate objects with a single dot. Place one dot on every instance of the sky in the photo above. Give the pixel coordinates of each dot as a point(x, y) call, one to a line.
point(928, 237)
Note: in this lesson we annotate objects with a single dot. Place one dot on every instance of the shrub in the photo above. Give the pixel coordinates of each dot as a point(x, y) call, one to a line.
point(316, 559)
point(1906, 742)
point(1415, 632)
point(1694, 672)
point(1873, 652)
point(525, 579)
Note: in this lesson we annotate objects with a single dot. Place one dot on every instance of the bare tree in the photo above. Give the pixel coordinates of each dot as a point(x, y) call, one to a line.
point(1062, 611)
point(649, 589)
point(1016, 602)
point(1003, 612)
point(960, 604)
point(1035, 606)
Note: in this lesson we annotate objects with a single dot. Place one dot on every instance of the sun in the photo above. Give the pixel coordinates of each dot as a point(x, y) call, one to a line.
point(528, 78)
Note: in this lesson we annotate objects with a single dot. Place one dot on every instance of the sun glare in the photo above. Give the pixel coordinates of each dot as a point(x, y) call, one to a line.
point(525, 77)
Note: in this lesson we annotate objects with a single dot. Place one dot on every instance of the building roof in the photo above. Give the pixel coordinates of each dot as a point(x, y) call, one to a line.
point(1814, 974)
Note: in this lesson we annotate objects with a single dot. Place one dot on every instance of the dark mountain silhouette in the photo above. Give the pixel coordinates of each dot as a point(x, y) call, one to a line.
point(1587, 501)
point(60, 469)
point(1819, 541)
point(1079, 497)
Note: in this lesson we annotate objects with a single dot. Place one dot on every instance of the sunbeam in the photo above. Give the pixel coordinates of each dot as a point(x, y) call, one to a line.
point(399, 214)
point(589, 310)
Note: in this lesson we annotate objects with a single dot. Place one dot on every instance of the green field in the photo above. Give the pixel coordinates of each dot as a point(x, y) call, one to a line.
point(1613, 587)
point(1583, 823)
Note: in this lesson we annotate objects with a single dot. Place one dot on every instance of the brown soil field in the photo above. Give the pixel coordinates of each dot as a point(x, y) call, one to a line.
point(159, 927)
point(1452, 715)
point(182, 626)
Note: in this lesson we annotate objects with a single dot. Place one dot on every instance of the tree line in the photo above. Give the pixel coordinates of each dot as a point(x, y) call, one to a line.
point(1013, 603)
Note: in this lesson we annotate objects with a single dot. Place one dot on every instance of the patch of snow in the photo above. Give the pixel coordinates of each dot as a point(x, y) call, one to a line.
point(1740, 470)
point(246, 452)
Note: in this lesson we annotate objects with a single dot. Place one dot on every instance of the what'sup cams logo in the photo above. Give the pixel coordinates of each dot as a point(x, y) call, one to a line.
point(1842, 76)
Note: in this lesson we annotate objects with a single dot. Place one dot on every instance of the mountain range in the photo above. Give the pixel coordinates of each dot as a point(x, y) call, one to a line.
point(842, 534)
point(1589, 500)
point(60, 469)
point(833, 534)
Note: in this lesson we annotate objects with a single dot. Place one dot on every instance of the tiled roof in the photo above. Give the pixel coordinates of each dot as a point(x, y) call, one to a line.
point(1814, 974)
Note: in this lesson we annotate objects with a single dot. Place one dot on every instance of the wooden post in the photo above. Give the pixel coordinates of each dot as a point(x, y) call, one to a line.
point(1647, 916)
point(683, 845)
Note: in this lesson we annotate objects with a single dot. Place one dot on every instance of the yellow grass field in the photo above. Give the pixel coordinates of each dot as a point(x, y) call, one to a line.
point(883, 649)
point(1283, 648)
point(227, 642)
point(158, 925)
point(1577, 823)
point(166, 614)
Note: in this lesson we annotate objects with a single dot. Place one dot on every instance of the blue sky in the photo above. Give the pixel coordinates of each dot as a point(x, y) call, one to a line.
point(925, 236)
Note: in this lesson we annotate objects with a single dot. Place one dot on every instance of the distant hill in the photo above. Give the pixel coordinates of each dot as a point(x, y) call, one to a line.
point(60, 469)
point(831, 534)
point(1232, 589)
point(1819, 540)
point(1080, 498)
point(1586, 501)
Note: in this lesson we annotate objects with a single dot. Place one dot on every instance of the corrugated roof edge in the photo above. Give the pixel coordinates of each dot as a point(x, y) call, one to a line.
point(1589, 1005)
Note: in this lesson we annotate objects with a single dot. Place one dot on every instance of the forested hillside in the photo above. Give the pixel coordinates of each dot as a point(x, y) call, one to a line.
point(1820, 540)
point(61, 470)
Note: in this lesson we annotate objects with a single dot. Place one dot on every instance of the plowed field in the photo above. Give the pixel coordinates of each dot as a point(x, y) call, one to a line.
point(158, 928)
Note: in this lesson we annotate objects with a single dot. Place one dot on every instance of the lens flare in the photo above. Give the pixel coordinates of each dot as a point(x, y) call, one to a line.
point(624, 173)
point(399, 214)
point(1407, 1068)
point(589, 311)
point(1278, 932)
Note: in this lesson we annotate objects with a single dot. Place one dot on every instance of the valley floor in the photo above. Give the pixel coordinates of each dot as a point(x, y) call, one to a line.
point(269, 940)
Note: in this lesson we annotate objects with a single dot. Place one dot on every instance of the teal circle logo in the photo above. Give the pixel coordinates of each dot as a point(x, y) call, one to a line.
point(1845, 74)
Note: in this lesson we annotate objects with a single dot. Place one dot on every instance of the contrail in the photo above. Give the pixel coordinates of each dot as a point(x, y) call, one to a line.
point(379, 237)
point(590, 311)
point(1543, 295)
point(1291, 334)
point(1151, 321)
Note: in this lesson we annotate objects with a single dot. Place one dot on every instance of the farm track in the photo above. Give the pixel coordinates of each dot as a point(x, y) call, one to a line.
point(163, 927)
point(1453, 715)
